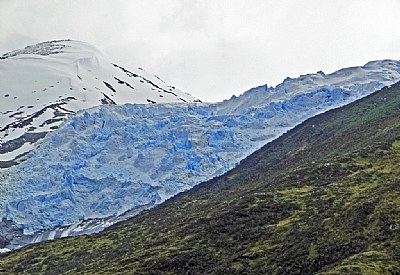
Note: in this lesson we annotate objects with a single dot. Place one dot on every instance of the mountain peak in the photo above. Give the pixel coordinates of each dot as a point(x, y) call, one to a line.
point(41, 84)
point(54, 47)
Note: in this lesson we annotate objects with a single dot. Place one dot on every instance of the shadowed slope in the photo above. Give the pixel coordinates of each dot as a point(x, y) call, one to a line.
point(323, 198)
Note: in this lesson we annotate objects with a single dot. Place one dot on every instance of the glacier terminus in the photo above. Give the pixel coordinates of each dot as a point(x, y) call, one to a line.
point(105, 160)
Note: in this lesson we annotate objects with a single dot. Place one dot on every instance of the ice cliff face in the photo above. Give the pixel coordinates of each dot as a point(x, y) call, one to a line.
point(42, 84)
point(110, 159)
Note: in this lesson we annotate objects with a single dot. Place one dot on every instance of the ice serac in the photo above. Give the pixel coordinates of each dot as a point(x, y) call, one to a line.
point(42, 84)
point(109, 159)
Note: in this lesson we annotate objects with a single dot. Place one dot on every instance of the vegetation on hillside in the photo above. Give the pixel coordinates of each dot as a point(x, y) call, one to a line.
point(322, 199)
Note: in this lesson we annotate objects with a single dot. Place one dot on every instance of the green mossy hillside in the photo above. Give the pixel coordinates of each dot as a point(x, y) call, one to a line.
point(322, 199)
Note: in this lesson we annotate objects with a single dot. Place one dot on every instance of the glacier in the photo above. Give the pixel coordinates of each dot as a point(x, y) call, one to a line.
point(106, 160)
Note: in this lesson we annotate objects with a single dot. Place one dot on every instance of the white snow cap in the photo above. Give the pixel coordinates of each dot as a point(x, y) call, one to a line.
point(43, 83)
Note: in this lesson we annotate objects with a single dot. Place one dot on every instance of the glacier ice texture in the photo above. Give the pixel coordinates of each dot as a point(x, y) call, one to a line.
point(108, 159)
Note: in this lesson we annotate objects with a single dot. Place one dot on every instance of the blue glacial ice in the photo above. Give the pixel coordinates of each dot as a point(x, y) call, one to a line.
point(109, 159)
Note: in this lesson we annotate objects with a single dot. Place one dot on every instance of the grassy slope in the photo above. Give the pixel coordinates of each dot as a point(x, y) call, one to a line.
point(324, 198)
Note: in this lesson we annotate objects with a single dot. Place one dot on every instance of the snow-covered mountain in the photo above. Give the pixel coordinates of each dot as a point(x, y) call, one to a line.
point(110, 159)
point(42, 84)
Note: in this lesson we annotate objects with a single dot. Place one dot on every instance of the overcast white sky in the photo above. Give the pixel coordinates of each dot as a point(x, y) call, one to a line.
point(214, 48)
